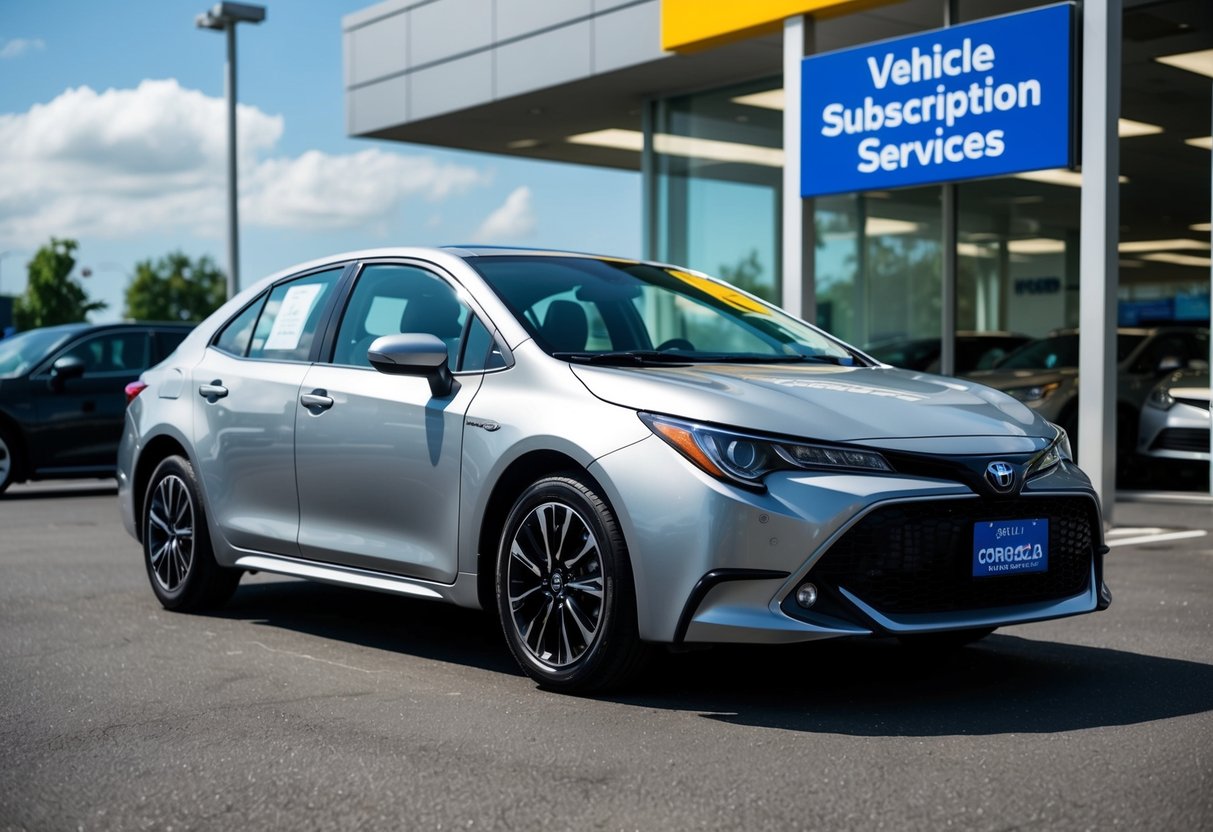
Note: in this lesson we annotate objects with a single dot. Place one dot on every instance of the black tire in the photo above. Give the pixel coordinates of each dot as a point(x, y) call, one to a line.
point(10, 458)
point(177, 549)
point(947, 640)
point(561, 544)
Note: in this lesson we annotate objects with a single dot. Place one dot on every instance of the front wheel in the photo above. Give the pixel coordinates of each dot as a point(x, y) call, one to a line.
point(177, 545)
point(8, 458)
point(564, 589)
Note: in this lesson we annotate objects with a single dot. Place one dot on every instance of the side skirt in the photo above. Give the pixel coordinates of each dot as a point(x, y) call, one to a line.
point(461, 592)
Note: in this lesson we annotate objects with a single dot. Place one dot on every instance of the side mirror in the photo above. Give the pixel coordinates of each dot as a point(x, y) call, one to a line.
point(67, 367)
point(1169, 364)
point(413, 354)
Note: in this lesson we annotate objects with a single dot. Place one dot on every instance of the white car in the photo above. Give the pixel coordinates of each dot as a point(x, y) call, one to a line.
point(1175, 418)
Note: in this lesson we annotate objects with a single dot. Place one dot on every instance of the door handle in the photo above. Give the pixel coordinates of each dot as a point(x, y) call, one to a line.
point(212, 392)
point(316, 401)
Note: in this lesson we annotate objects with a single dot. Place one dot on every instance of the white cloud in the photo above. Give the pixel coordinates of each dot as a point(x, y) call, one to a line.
point(513, 220)
point(123, 162)
point(16, 47)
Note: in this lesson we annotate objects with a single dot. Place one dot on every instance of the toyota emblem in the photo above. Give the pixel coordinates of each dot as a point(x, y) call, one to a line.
point(1001, 475)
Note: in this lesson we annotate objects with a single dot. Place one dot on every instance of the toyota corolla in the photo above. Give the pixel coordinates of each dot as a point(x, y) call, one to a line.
point(613, 455)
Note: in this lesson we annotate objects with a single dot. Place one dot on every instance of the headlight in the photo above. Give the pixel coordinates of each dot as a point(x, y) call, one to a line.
point(1161, 398)
point(745, 458)
point(1050, 456)
point(1034, 393)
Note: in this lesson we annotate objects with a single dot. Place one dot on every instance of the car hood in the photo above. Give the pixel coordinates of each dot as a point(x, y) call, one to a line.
point(1011, 379)
point(868, 405)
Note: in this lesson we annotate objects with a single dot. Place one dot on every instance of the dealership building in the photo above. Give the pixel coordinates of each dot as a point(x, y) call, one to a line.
point(891, 169)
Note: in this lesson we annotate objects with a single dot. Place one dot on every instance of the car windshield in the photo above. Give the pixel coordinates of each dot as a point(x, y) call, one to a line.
point(21, 352)
point(610, 311)
point(1061, 351)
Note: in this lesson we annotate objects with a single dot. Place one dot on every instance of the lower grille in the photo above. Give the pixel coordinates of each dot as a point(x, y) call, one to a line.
point(1194, 440)
point(918, 557)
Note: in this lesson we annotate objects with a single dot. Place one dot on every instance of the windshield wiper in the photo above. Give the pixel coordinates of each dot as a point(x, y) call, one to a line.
point(624, 357)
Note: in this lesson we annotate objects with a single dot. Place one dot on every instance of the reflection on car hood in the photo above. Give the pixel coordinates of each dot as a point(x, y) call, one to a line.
point(822, 402)
point(1011, 379)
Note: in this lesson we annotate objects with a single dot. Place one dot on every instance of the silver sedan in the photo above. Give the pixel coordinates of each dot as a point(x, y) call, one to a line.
point(1175, 418)
point(613, 455)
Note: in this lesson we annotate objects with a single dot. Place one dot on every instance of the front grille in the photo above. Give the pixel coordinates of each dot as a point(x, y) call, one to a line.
point(1194, 440)
point(918, 557)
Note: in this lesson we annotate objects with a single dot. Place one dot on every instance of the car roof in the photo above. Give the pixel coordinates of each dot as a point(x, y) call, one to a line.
point(83, 327)
point(501, 251)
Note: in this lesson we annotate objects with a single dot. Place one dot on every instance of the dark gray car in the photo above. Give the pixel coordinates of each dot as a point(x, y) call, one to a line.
point(62, 395)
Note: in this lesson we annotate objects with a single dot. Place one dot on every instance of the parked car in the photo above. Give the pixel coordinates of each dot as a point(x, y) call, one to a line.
point(62, 398)
point(1175, 419)
point(974, 351)
point(610, 454)
point(1043, 374)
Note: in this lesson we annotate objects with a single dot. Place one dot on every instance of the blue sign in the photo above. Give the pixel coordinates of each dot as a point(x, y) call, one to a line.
point(1010, 547)
point(981, 99)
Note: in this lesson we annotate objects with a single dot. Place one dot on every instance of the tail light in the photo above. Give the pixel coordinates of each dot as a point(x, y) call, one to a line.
point(133, 390)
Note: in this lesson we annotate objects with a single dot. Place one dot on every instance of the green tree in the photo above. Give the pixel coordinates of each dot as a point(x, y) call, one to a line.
point(51, 296)
point(748, 273)
point(175, 288)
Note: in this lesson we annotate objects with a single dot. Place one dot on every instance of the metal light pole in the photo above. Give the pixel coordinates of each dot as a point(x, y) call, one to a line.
point(223, 17)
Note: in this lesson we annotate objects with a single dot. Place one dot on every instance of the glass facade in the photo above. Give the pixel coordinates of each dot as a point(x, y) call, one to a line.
point(718, 165)
point(879, 256)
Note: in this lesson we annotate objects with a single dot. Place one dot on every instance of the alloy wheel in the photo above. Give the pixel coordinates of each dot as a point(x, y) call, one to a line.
point(170, 532)
point(556, 587)
point(6, 461)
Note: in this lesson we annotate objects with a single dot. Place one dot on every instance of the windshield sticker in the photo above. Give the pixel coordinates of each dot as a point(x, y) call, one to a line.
point(722, 292)
point(292, 317)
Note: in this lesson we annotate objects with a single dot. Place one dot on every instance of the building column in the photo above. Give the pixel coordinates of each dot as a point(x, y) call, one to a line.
point(1099, 236)
point(798, 240)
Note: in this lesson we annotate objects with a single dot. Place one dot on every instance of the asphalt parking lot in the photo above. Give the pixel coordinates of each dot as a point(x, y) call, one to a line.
point(311, 707)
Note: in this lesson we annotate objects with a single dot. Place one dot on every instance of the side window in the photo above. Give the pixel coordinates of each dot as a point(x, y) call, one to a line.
point(480, 352)
point(390, 299)
point(238, 334)
point(112, 352)
point(291, 315)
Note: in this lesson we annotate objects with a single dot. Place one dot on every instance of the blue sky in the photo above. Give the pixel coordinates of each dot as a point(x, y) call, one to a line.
point(111, 133)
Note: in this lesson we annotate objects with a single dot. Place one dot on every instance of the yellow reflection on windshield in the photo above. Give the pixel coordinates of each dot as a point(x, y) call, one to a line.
point(723, 293)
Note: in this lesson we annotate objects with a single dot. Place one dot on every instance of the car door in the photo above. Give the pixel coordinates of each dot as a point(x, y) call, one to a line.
point(245, 394)
point(80, 419)
point(377, 456)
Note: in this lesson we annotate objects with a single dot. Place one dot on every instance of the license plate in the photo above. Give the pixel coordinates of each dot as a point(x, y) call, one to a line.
point(1010, 547)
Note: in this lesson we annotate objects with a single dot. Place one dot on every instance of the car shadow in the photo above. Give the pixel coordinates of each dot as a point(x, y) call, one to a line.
point(876, 687)
point(376, 620)
point(1005, 684)
point(17, 493)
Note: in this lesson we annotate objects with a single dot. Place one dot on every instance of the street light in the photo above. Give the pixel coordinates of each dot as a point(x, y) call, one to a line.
point(223, 17)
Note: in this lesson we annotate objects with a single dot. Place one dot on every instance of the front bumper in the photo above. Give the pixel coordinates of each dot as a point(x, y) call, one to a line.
point(714, 563)
point(1182, 432)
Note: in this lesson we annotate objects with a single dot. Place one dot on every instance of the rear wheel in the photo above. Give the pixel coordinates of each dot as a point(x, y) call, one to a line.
point(564, 589)
point(8, 458)
point(177, 545)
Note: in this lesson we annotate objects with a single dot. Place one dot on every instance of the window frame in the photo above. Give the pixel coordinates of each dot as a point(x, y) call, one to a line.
point(475, 310)
point(43, 371)
point(323, 325)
